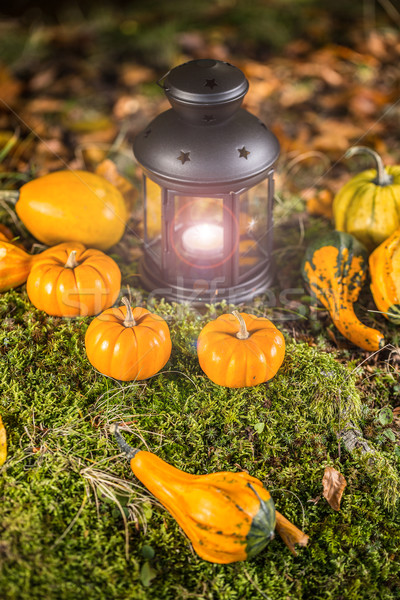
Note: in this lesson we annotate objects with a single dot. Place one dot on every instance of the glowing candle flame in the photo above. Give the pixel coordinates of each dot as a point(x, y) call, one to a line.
point(204, 239)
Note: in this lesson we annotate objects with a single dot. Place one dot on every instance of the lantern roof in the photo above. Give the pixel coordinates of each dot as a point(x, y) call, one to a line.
point(205, 81)
point(206, 143)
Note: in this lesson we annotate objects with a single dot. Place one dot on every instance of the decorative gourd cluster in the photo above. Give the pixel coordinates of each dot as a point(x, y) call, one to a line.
point(69, 210)
point(366, 214)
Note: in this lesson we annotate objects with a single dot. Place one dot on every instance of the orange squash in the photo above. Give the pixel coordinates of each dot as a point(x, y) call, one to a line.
point(384, 265)
point(15, 265)
point(240, 350)
point(227, 516)
point(69, 280)
point(128, 344)
point(73, 206)
point(6, 235)
point(3, 443)
point(334, 268)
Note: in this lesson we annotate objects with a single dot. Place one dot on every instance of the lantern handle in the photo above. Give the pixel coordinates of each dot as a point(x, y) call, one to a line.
point(161, 80)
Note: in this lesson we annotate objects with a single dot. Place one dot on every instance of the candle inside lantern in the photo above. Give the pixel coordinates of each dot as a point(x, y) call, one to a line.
point(204, 239)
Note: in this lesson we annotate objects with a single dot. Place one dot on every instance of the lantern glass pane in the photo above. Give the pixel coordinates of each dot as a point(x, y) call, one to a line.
point(198, 233)
point(153, 204)
point(255, 228)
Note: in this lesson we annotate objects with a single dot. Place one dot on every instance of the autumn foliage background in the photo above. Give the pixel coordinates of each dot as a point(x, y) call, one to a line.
point(77, 82)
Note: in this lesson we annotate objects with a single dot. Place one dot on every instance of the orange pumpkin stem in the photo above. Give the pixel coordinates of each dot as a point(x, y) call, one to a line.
point(129, 320)
point(242, 334)
point(382, 178)
point(289, 533)
point(71, 262)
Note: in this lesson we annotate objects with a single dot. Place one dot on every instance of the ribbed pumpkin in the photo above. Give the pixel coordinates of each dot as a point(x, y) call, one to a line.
point(384, 265)
point(128, 344)
point(368, 206)
point(334, 267)
point(70, 280)
point(240, 350)
point(73, 206)
point(227, 516)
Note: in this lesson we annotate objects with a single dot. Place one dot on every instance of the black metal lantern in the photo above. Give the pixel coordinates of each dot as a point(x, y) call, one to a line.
point(208, 189)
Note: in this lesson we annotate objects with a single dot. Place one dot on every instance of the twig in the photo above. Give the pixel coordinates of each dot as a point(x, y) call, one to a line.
point(353, 439)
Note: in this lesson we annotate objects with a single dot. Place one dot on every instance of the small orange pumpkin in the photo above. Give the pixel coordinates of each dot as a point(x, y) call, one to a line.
point(69, 280)
point(240, 350)
point(128, 344)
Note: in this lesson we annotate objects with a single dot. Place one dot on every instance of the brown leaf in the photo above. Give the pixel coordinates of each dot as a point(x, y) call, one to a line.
point(10, 87)
point(109, 171)
point(45, 105)
point(336, 135)
point(133, 74)
point(3, 443)
point(289, 533)
point(334, 484)
point(126, 106)
point(319, 202)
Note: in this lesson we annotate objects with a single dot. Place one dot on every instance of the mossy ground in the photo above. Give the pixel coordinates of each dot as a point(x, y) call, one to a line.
point(76, 524)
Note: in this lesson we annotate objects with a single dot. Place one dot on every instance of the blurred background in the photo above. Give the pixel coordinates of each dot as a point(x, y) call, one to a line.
point(77, 79)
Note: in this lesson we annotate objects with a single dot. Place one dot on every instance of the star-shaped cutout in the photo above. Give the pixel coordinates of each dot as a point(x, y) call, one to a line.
point(147, 133)
point(208, 119)
point(184, 157)
point(243, 153)
point(211, 83)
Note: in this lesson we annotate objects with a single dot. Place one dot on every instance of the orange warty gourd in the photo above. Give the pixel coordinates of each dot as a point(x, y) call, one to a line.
point(73, 206)
point(334, 268)
point(70, 280)
point(240, 350)
point(128, 344)
point(384, 266)
point(227, 516)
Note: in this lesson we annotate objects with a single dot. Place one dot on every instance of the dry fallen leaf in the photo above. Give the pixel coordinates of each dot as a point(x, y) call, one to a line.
point(3, 443)
point(319, 202)
point(334, 484)
point(10, 87)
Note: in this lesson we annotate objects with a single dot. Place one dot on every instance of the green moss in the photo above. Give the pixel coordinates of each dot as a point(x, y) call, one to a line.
point(63, 526)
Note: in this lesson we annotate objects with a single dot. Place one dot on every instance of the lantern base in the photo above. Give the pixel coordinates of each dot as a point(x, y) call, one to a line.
point(205, 292)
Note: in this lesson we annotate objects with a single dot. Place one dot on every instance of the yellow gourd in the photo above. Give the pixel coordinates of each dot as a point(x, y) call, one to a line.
point(73, 206)
point(368, 206)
